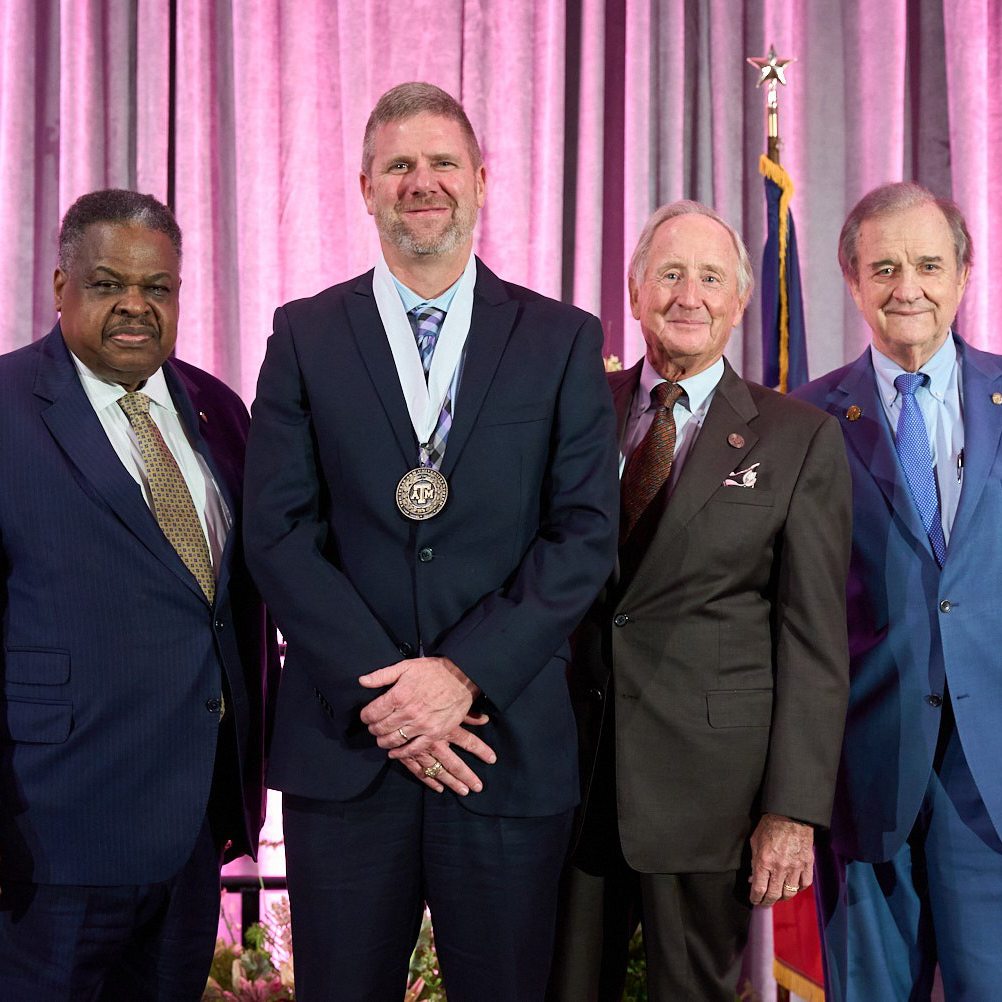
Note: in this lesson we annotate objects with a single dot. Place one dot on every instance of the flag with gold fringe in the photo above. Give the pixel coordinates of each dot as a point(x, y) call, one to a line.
point(797, 947)
point(784, 340)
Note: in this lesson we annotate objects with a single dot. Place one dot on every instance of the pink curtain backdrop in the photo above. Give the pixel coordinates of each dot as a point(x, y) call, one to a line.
point(591, 113)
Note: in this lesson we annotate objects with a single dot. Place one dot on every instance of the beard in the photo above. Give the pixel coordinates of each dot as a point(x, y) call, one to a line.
point(394, 228)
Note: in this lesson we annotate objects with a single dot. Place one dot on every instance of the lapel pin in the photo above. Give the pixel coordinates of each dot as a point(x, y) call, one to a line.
point(202, 417)
point(735, 440)
point(854, 413)
point(997, 398)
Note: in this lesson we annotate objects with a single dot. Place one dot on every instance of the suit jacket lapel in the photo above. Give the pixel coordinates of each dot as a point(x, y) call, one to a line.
point(191, 405)
point(869, 436)
point(624, 386)
point(982, 377)
point(712, 458)
point(71, 420)
point(374, 349)
point(491, 325)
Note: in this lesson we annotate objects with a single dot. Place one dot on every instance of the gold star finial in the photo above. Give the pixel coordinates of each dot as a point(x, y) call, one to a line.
point(770, 67)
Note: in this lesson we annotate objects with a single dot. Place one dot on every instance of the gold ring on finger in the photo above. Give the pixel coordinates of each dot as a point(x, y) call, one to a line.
point(791, 888)
point(400, 731)
point(433, 770)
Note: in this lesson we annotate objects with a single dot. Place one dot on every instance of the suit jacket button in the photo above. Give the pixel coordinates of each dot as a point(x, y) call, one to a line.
point(405, 649)
point(426, 555)
point(213, 705)
point(934, 699)
point(218, 624)
point(620, 619)
point(945, 605)
point(595, 695)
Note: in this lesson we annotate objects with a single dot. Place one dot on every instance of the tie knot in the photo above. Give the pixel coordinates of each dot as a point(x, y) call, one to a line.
point(667, 394)
point(134, 403)
point(908, 382)
point(426, 321)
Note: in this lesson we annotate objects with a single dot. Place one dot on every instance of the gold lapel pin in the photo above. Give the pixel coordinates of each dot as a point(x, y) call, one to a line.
point(854, 413)
point(735, 440)
point(997, 398)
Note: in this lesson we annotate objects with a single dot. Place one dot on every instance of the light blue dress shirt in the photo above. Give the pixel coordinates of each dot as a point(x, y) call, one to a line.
point(412, 300)
point(689, 413)
point(942, 406)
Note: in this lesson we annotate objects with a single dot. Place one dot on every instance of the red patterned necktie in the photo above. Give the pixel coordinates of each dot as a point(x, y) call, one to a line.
point(650, 464)
point(172, 504)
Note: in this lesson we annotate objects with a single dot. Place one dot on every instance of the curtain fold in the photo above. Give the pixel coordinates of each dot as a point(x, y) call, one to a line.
point(591, 113)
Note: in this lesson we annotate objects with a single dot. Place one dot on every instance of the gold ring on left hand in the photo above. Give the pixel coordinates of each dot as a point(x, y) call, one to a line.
point(434, 769)
point(400, 731)
point(791, 888)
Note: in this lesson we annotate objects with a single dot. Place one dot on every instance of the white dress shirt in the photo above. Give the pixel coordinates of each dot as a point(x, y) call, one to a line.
point(213, 514)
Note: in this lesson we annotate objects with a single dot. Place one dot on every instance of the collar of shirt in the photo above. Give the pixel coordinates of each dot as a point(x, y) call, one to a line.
point(412, 300)
point(698, 389)
point(941, 370)
point(101, 393)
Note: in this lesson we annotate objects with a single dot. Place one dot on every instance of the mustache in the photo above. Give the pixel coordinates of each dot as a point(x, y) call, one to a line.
point(419, 202)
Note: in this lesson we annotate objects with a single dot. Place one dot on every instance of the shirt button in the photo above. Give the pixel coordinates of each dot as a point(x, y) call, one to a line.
point(934, 699)
point(620, 619)
point(213, 705)
point(426, 555)
point(945, 606)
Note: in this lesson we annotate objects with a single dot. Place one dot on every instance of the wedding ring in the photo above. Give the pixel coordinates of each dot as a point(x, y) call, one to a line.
point(433, 770)
point(791, 888)
point(403, 736)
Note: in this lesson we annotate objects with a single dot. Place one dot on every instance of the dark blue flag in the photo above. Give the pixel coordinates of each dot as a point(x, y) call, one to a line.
point(784, 339)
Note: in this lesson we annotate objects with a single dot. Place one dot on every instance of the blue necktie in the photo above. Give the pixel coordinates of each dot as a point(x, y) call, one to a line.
point(912, 443)
point(426, 322)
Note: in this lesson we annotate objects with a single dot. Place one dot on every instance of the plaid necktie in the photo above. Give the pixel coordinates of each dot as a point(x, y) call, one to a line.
point(426, 322)
point(172, 504)
point(650, 464)
point(912, 443)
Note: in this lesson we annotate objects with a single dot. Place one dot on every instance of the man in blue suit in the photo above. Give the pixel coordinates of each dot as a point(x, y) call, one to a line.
point(432, 505)
point(912, 871)
point(135, 647)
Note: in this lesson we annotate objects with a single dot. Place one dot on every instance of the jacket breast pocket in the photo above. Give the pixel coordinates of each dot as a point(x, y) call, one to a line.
point(744, 495)
point(739, 708)
point(517, 414)
point(40, 722)
point(37, 665)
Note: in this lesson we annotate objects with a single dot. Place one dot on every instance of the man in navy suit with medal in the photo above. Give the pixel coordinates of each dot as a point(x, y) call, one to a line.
point(433, 505)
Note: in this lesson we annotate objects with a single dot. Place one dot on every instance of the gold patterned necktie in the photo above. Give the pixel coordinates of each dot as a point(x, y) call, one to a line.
point(172, 504)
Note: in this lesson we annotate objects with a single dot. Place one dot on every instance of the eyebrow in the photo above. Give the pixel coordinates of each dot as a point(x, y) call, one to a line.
point(892, 262)
point(701, 266)
point(155, 277)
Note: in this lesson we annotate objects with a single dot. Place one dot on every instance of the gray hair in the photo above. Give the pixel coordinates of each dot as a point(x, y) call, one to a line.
point(687, 207)
point(407, 100)
point(896, 197)
point(113, 205)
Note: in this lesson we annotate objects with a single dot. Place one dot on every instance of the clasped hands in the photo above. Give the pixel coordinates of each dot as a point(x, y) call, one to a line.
point(423, 714)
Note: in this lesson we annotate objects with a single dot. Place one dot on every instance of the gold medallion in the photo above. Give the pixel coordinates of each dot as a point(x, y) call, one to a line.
point(422, 493)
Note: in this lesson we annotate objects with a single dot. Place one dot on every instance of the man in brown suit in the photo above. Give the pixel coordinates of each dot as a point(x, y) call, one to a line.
point(710, 678)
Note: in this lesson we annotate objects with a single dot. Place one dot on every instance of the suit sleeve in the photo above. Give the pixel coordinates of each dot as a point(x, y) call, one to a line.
point(812, 659)
point(510, 634)
point(286, 536)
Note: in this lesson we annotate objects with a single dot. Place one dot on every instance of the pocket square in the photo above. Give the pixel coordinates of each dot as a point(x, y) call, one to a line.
point(748, 477)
